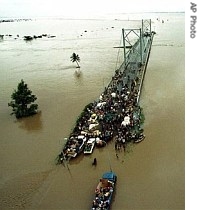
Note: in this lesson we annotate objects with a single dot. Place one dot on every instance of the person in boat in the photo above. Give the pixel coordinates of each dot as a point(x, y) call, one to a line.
point(106, 203)
point(94, 204)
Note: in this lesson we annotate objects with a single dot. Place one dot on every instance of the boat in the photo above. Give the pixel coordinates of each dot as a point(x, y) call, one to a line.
point(100, 143)
point(74, 146)
point(104, 191)
point(138, 137)
point(89, 146)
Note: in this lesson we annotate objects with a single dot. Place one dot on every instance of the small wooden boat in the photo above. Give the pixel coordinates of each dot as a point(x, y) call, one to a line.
point(89, 146)
point(104, 191)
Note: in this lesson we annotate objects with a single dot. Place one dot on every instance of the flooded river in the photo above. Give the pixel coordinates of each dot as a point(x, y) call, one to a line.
point(150, 174)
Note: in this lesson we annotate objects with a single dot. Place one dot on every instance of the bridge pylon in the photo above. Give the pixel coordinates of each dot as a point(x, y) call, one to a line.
point(134, 44)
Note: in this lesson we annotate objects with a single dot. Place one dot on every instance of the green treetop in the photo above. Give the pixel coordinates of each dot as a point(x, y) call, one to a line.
point(75, 58)
point(22, 101)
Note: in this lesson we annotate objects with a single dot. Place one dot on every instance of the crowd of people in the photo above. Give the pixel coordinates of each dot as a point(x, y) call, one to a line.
point(115, 114)
point(103, 194)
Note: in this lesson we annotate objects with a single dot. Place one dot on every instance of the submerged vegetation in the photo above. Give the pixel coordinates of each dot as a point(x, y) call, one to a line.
point(22, 102)
point(75, 58)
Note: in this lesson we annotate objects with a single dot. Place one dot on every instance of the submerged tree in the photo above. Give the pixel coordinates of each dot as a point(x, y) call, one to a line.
point(22, 101)
point(75, 58)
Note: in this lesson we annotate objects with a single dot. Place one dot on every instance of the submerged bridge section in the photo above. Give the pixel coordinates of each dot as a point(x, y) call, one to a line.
point(116, 114)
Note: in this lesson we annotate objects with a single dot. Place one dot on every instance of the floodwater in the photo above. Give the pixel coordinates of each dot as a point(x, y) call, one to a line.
point(151, 174)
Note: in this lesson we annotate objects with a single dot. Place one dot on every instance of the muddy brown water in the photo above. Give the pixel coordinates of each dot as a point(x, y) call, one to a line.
point(150, 174)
